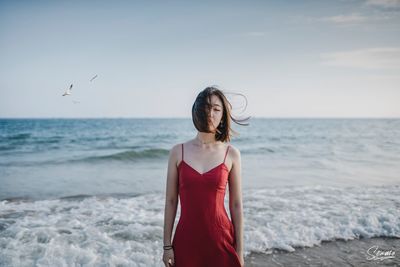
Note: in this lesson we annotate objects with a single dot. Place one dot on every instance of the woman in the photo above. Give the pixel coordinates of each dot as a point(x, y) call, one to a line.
point(198, 170)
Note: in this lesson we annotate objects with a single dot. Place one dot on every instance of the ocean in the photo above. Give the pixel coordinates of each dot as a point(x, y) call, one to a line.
point(91, 192)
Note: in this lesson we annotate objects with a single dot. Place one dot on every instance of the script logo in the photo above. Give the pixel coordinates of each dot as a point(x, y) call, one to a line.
point(375, 253)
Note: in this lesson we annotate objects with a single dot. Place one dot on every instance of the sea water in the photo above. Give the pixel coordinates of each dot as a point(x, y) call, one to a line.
point(92, 191)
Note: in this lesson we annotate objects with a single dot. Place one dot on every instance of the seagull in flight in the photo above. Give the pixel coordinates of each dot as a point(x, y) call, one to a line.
point(68, 91)
point(93, 78)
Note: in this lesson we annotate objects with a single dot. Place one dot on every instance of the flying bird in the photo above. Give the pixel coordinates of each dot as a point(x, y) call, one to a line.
point(93, 78)
point(68, 91)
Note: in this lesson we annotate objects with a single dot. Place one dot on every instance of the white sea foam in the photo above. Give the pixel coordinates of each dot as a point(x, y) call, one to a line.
point(290, 217)
point(113, 231)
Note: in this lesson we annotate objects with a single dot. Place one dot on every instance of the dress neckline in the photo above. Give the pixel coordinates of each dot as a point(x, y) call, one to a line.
point(201, 174)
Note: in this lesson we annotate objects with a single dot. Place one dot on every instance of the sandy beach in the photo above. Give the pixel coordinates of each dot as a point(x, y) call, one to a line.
point(333, 253)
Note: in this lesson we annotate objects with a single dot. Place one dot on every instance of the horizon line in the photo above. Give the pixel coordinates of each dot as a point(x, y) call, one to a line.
point(251, 117)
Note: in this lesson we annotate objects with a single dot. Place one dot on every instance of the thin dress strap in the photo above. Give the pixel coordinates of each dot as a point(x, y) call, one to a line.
point(182, 151)
point(226, 153)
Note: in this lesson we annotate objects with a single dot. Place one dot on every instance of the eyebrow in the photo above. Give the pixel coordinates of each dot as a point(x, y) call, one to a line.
point(217, 105)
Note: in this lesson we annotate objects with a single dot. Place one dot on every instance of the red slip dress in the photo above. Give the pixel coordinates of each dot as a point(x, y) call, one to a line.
point(204, 235)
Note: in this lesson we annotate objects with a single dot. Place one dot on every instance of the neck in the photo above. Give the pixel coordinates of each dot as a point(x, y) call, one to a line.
point(205, 138)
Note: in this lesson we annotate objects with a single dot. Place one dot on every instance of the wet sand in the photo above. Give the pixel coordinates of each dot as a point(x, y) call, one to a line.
point(332, 253)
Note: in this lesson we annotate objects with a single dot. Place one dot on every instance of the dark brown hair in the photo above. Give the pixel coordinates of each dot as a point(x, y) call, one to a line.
point(201, 110)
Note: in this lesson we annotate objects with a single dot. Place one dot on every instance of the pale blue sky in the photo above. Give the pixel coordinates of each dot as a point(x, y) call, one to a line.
point(289, 58)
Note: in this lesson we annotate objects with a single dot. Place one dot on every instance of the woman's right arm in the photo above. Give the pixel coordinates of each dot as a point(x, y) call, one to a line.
point(171, 198)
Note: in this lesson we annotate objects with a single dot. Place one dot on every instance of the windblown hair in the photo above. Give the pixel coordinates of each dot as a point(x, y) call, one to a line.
point(201, 110)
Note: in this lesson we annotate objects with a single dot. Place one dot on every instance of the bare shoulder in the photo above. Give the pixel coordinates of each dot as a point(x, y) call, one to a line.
point(174, 152)
point(234, 152)
point(175, 148)
point(233, 157)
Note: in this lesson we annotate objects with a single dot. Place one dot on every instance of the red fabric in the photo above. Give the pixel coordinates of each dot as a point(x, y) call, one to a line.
point(204, 235)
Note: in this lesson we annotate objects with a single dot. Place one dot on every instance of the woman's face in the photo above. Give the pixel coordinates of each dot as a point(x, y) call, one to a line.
point(216, 112)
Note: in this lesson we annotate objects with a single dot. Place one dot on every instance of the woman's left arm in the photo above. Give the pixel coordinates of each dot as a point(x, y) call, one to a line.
point(235, 200)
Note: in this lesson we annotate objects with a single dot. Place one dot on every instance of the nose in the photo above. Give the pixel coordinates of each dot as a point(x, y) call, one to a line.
point(212, 113)
point(210, 118)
